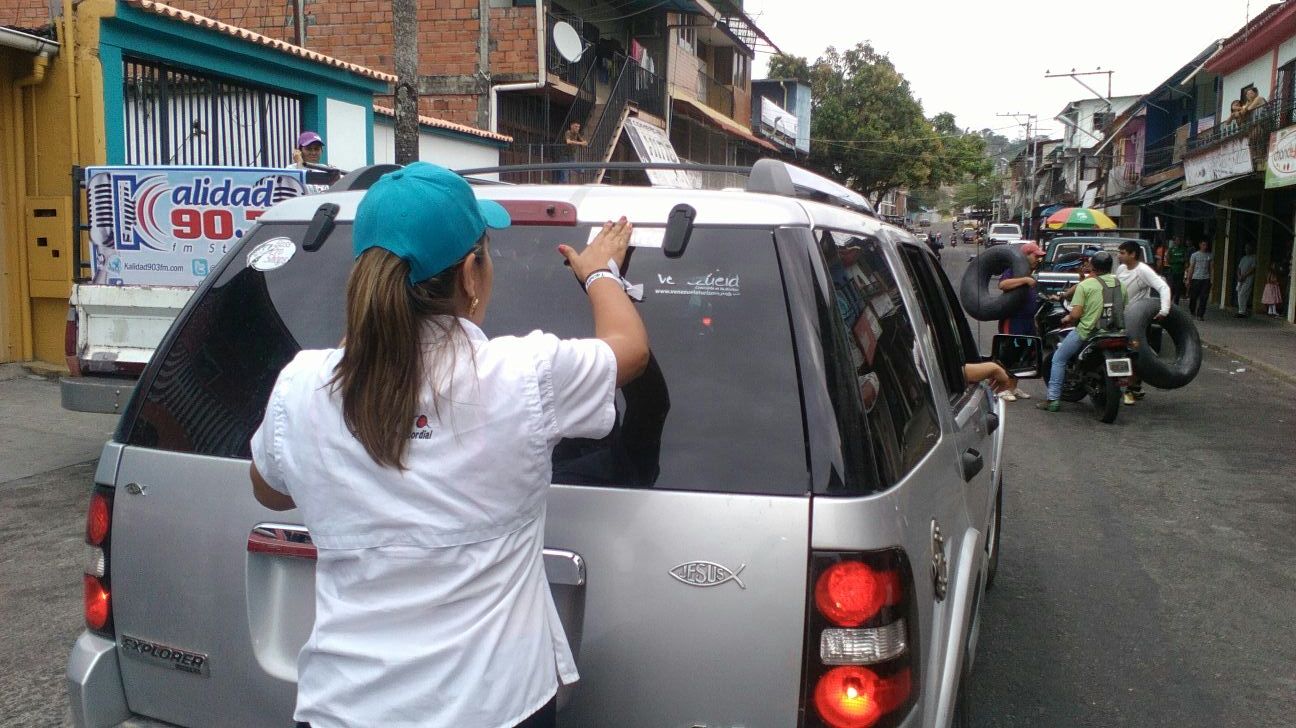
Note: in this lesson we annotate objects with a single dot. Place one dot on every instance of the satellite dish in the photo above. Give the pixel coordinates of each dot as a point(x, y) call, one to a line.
point(568, 42)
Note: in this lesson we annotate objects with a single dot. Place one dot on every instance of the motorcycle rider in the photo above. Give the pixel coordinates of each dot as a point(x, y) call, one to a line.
point(1140, 279)
point(1100, 298)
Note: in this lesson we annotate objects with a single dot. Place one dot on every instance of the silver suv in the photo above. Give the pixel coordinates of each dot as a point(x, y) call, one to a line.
point(791, 524)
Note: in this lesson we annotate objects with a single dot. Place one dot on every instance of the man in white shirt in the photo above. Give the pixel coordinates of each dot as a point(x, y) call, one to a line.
point(1246, 281)
point(1140, 280)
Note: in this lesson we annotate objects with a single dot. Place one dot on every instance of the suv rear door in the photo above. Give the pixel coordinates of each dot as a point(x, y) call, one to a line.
point(692, 517)
point(682, 536)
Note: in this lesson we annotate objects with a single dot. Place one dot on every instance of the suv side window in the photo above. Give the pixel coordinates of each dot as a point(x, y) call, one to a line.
point(941, 319)
point(205, 392)
point(883, 355)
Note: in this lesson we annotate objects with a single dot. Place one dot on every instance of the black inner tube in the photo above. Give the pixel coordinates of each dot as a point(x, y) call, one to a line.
point(978, 299)
point(1179, 326)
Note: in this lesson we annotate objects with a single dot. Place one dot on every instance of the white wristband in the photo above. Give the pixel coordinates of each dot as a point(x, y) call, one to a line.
point(596, 275)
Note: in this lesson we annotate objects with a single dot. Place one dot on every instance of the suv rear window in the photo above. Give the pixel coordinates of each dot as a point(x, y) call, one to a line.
point(719, 409)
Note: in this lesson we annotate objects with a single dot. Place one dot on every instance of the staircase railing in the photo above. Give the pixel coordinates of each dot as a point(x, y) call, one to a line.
point(604, 135)
point(582, 105)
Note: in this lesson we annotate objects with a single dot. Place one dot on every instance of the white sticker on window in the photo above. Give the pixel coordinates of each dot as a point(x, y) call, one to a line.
point(639, 237)
point(715, 283)
point(271, 254)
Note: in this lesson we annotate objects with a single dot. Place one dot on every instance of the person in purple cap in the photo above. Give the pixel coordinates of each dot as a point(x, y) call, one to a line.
point(419, 455)
point(310, 147)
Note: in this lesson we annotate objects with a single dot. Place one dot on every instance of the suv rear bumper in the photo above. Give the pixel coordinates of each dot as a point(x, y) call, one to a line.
point(94, 683)
point(107, 395)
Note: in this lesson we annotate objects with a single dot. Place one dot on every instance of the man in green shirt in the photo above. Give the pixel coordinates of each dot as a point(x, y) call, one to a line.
point(1099, 302)
point(1177, 263)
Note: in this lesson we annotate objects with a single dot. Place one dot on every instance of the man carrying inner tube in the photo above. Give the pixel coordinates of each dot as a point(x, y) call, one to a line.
point(1092, 295)
point(1021, 322)
point(1139, 280)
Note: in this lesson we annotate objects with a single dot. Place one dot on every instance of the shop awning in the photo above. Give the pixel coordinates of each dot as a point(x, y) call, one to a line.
point(1201, 189)
point(1152, 193)
point(723, 122)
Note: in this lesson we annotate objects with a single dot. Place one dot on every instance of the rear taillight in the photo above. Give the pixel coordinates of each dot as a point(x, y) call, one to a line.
point(96, 584)
point(70, 332)
point(860, 671)
point(1114, 343)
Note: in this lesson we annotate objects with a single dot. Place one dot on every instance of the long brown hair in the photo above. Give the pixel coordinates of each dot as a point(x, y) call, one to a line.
point(382, 367)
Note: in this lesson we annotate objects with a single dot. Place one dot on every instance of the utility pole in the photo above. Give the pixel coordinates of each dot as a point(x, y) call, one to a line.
point(405, 37)
point(1031, 125)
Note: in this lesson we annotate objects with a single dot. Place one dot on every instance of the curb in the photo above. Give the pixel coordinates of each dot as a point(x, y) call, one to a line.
point(1286, 376)
point(18, 370)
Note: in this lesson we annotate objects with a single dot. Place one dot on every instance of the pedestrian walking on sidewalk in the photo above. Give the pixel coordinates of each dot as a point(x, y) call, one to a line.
point(1177, 264)
point(1246, 281)
point(1139, 280)
point(1271, 297)
point(419, 456)
point(1198, 278)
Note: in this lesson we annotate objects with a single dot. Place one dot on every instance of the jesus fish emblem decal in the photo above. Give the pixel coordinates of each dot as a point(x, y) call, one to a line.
point(707, 573)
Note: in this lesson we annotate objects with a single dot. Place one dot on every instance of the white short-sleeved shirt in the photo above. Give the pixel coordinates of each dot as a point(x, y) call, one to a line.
point(431, 602)
point(1140, 281)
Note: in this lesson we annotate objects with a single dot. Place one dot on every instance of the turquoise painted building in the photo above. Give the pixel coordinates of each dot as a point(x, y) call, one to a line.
point(179, 88)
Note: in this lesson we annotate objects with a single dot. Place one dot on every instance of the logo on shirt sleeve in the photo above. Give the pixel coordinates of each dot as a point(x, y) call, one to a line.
point(422, 429)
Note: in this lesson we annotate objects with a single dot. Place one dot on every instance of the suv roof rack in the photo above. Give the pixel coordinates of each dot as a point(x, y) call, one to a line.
point(767, 176)
point(774, 177)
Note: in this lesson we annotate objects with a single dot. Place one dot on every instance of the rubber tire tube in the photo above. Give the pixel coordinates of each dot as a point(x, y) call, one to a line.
point(974, 293)
point(1179, 326)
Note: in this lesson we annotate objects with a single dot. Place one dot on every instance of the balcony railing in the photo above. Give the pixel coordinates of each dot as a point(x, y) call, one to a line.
point(1257, 126)
point(715, 94)
point(647, 90)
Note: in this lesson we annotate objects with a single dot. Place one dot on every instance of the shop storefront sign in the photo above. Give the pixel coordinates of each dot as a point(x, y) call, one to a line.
point(1227, 160)
point(1280, 171)
point(168, 226)
point(652, 145)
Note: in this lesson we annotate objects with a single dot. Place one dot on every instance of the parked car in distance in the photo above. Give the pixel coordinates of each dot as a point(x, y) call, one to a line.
point(1003, 233)
point(801, 494)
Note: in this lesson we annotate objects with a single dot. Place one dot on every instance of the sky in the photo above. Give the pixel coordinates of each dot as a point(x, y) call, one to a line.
point(979, 58)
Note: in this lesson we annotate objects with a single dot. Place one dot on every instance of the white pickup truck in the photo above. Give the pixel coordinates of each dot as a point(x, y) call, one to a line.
point(111, 333)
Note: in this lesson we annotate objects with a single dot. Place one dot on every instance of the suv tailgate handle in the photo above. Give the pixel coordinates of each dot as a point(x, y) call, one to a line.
point(972, 463)
point(564, 567)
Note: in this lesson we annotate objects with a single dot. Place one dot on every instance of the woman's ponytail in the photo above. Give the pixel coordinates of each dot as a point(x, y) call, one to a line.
point(382, 369)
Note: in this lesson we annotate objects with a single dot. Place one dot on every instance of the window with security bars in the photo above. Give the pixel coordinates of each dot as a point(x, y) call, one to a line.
point(175, 116)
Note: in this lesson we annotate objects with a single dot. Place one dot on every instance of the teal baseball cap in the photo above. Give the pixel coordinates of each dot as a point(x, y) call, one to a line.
point(426, 215)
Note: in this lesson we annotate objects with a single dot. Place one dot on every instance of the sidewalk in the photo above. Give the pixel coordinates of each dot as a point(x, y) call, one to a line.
point(40, 436)
point(1265, 343)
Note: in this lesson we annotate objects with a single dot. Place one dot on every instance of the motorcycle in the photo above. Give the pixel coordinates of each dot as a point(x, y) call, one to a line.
point(1102, 370)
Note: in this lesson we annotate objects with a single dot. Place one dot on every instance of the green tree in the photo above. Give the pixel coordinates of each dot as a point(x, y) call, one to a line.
point(867, 129)
point(869, 132)
point(783, 65)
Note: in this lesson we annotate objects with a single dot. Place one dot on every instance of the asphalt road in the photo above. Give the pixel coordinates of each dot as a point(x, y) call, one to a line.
point(1146, 575)
point(47, 459)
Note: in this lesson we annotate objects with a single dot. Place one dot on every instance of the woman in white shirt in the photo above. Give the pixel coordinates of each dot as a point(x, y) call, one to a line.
point(418, 456)
point(1140, 280)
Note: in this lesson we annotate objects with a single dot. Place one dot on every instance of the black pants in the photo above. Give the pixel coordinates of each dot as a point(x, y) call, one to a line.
point(1198, 292)
point(545, 717)
point(1176, 287)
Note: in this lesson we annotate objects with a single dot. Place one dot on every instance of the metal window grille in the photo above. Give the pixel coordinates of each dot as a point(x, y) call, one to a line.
point(174, 116)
